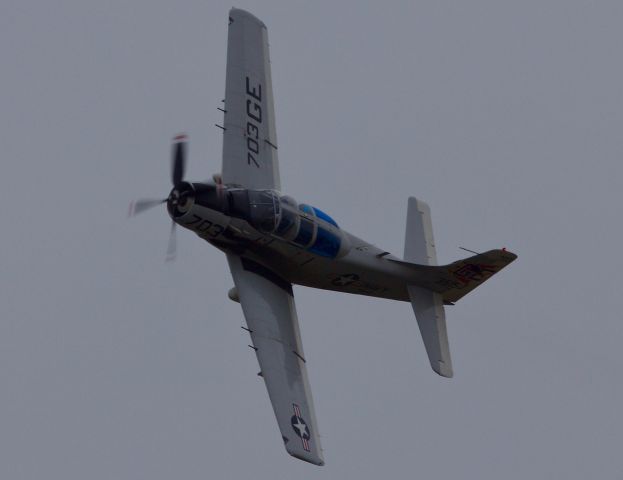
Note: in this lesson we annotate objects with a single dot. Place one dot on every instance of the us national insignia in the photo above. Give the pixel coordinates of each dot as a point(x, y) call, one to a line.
point(300, 427)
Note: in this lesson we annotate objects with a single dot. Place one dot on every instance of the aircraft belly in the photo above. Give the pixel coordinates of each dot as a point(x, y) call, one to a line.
point(358, 273)
point(366, 277)
point(361, 272)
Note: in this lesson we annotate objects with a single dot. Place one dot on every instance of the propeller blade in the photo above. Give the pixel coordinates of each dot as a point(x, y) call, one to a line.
point(143, 204)
point(179, 159)
point(171, 249)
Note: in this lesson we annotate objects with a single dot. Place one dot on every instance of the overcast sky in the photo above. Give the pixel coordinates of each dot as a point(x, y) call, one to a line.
point(505, 116)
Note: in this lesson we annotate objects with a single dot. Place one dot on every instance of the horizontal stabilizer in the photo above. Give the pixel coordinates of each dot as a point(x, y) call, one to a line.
point(452, 281)
point(419, 241)
point(427, 304)
point(431, 318)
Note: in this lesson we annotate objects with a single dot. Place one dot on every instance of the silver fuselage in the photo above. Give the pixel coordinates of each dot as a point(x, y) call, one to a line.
point(358, 267)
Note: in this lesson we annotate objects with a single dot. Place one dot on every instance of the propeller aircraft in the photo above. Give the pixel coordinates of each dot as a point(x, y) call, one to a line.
point(273, 242)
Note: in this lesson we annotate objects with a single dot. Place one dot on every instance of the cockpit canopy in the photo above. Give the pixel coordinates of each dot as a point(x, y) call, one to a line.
point(271, 213)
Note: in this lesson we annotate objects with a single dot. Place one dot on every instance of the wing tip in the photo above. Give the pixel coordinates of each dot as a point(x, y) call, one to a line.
point(238, 13)
point(314, 459)
point(442, 369)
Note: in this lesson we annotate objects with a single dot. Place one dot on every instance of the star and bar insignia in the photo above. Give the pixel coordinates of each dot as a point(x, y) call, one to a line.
point(300, 427)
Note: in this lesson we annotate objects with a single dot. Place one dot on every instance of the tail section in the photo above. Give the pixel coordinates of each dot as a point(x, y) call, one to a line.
point(419, 241)
point(427, 304)
point(431, 286)
point(431, 318)
point(457, 279)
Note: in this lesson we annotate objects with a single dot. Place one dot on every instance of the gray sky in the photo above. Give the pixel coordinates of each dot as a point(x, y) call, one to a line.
point(505, 116)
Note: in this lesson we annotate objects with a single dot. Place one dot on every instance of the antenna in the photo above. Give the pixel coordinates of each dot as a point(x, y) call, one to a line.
point(468, 250)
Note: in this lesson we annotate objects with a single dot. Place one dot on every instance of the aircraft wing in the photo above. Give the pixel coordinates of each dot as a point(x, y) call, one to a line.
point(268, 305)
point(250, 138)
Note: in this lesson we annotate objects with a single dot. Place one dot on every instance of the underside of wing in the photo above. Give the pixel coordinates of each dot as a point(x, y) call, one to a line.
point(270, 313)
point(250, 139)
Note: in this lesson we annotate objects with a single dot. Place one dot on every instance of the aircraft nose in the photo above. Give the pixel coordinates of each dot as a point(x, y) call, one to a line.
point(181, 199)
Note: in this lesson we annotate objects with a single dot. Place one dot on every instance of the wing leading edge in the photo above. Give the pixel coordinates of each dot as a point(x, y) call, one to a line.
point(268, 305)
point(250, 138)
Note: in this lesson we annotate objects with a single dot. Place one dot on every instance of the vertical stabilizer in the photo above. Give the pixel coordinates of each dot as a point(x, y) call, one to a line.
point(427, 305)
